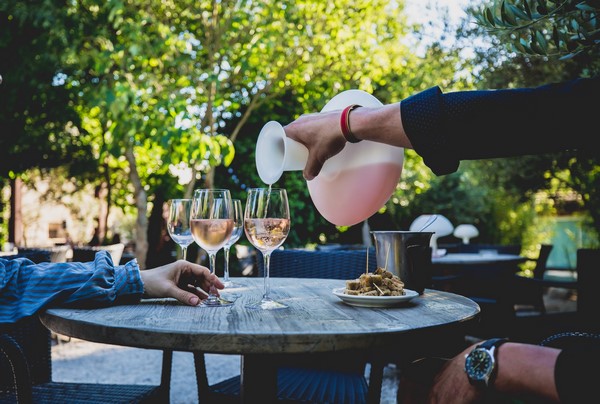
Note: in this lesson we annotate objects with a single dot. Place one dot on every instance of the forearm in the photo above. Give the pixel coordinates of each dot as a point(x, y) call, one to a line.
point(522, 371)
point(527, 370)
point(380, 124)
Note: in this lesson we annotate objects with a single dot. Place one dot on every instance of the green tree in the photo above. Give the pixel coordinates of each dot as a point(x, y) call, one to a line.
point(565, 29)
point(39, 126)
point(37, 130)
point(163, 88)
point(178, 88)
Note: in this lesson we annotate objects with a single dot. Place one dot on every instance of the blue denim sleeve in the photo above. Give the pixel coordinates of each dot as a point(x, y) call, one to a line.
point(26, 287)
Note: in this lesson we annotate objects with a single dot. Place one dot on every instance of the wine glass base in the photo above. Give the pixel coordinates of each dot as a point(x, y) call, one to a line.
point(231, 285)
point(266, 304)
point(230, 296)
point(218, 302)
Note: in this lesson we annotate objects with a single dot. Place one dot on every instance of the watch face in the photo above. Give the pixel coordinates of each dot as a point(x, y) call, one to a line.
point(479, 365)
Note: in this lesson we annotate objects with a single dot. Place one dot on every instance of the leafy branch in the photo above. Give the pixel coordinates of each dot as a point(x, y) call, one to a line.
point(562, 28)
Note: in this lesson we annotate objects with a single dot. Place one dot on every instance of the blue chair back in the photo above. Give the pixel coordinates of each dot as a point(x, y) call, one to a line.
point(36, 255)
point(336, 264)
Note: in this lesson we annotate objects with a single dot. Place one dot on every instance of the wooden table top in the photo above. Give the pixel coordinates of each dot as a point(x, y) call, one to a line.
point(316, 321)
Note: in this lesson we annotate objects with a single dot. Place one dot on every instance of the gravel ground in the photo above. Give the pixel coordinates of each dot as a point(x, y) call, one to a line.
point(82, 361)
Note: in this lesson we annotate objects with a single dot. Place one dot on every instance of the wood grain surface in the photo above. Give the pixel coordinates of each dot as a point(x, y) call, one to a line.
point(316, 321)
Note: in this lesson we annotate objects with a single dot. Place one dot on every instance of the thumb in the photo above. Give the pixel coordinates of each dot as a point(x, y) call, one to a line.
point(312, 169)
point(185, 297)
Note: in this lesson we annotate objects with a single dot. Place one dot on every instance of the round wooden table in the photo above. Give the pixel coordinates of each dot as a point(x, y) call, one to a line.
point(316, 321)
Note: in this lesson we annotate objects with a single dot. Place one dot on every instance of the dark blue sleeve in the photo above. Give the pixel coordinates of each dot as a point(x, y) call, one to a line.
point(576, 374)
point(467, 125)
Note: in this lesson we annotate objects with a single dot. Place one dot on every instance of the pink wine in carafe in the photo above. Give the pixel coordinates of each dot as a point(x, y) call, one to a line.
point(354, 194)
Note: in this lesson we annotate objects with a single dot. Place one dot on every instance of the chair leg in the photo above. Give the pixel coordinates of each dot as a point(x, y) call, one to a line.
point(165, 378)
point(375, 381)
point(201, 378)
point(258, 380)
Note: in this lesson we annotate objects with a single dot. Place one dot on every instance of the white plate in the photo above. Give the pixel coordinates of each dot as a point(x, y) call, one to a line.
point(375, 301)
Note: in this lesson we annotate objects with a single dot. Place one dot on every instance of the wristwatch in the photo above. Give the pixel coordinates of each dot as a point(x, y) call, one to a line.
point(480, 363)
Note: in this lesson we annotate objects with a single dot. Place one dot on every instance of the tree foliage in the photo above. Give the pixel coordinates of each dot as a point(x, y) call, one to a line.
point(158, 89)
point(38, 126)
point(564, 28)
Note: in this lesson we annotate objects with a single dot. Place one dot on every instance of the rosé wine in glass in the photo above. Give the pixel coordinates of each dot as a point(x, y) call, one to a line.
point(212, 224)
point(267, 224)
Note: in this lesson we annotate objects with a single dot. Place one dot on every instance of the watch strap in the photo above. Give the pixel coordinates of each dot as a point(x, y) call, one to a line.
point(492, 343)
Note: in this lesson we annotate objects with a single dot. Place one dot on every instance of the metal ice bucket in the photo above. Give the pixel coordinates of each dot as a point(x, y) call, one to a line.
point(406, 254)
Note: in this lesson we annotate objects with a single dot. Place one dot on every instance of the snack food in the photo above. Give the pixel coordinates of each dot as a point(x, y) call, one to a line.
point(379, 283)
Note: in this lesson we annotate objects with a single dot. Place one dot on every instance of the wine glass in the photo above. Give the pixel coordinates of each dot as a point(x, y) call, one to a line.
point(178, 223)
point(212, 225)
point(267, 224)
point(238, 228)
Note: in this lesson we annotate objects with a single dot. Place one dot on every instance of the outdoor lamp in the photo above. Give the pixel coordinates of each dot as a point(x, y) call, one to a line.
point(466, 232)
point(440, 227)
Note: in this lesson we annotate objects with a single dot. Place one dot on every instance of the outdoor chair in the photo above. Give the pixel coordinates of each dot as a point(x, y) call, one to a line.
point(311, 378)
point(26, 369)
point(585, 330)
point(86, 254)
point(487, 284)
point(36, 255)
point(573, 328)
point(57, 253)
point(588, 279)
point(334, 264)
point(26, 373)
point(583, 320)
point(528, 293)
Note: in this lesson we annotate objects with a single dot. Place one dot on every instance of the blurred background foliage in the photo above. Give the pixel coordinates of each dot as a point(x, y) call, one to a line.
point(142, 101)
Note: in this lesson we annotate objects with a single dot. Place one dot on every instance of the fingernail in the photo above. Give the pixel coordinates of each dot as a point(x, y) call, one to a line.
point(194, 300)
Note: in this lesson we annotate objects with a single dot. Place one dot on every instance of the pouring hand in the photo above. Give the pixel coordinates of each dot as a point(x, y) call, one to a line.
point(322, 136)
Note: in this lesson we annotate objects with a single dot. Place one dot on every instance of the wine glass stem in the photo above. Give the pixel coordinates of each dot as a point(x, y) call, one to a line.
point(184, 252)
point(212, 292)
point(267, 262)
point(226, 269)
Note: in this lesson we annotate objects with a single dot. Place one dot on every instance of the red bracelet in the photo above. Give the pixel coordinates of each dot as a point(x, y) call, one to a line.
point(345, 124)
